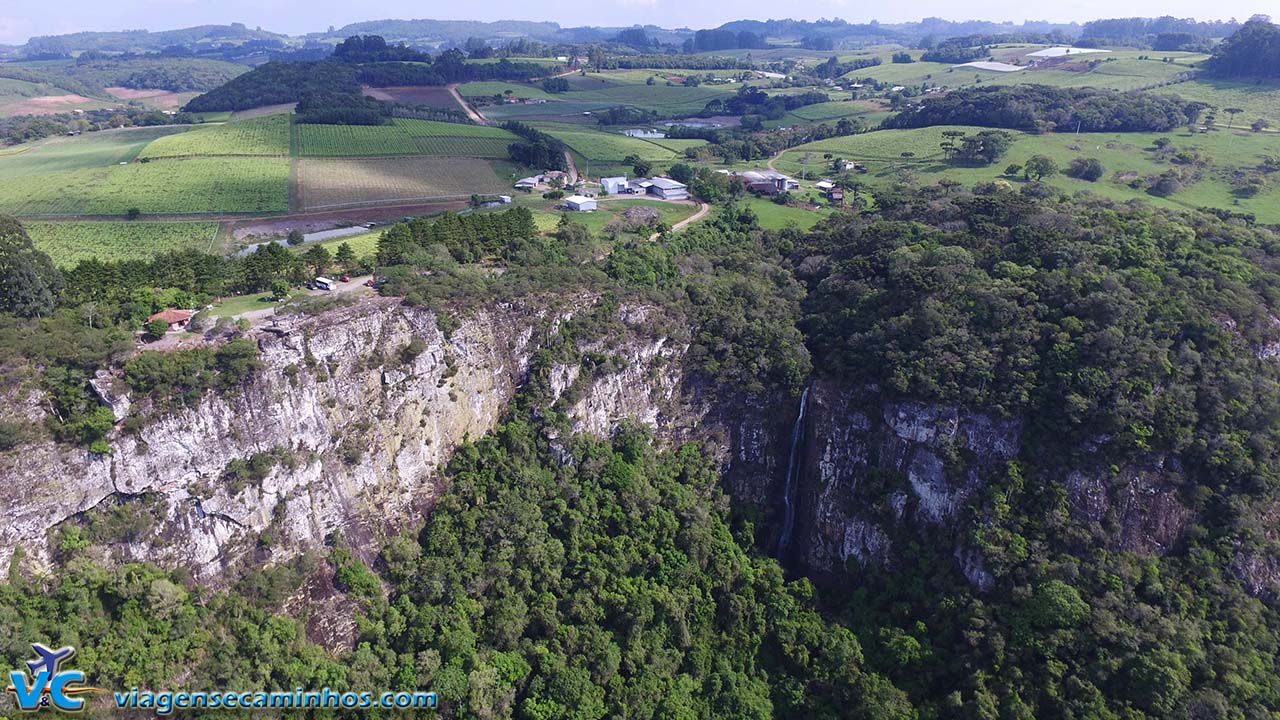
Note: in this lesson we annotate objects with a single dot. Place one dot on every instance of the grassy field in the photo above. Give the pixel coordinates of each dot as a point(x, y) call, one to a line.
point(612, 210)
point(343, 182)
point(402, 137)
point(196, 185)
point(772, 216)
point(1119, 153)
point(362, 244)
point(1258, 100)
point(608, 146)
point(67, 243)
point(268, 136)
point(92, 150)
point(520, 90)
point(240, 304)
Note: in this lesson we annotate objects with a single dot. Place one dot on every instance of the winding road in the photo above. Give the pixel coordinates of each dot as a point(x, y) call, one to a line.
point(703, 209)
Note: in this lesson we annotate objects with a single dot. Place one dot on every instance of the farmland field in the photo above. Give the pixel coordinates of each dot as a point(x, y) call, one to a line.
point(830, 112)
point(70, 242)
point(1132, 153)
point(91, 150)
point(402, 137)
point(491, 88)
point(430, 95)
point(196, 185)
point(268, 136)
point(338, 182)
point(609, 146)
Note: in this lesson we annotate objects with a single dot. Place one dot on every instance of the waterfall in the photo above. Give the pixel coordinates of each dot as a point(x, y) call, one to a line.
point(789, 490)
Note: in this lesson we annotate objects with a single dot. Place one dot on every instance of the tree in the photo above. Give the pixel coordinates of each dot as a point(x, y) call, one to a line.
point(319, 258)
point(295, 237)
point(642, 168)
point(1039, 167)
point(1232, 112)
point(279, 289)
point(29, 282)
point(133, 213)
point(345, 257)
point(1013, 170)
point(1089, 169)
point(1260, 124)
point(157, 328)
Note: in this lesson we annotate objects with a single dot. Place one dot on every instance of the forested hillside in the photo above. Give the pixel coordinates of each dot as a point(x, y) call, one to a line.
point(1253, 51)
point(1042, 108)
point(366, 60)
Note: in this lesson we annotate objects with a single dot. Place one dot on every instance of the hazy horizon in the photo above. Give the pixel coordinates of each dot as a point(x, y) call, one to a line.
point(29, 18)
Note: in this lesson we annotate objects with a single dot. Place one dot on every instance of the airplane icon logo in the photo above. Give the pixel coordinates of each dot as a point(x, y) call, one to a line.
point(50, 660)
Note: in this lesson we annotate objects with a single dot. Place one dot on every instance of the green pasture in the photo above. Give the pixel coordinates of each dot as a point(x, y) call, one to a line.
point(268, 135)
point(67, 243)
point(401, 137)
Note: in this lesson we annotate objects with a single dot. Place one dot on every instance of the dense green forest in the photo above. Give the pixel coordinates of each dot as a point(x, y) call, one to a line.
point(1044, 108)
point(1252, 52)
point(92, 73)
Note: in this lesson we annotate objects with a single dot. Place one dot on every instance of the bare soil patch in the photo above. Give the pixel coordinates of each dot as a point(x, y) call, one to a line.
point(432, 95)
point(47, 105)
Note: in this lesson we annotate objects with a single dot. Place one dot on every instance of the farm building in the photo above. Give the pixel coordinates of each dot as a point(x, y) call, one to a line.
point(528, 183)
point(823, 185)
point(580, 203)
point(768, 182)
point(176, 319)
point(836, 196)
point(614, 185)
point(668, 189)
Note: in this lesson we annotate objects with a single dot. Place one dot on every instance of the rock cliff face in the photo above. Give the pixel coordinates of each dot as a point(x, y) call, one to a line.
point(363, 429)
point(882, 473)
point(360, 423)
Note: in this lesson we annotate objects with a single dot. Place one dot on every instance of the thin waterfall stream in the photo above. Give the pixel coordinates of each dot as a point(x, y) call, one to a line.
point(789, 489)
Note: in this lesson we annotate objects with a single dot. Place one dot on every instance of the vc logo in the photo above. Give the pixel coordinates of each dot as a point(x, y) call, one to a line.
point(48, 683)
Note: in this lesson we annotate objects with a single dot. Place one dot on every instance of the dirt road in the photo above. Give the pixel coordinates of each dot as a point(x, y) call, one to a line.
point(471, 112)
point(265, 315)
point(703, 209)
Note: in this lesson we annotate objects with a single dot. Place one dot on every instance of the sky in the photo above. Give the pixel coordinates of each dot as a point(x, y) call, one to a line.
point(21, 19)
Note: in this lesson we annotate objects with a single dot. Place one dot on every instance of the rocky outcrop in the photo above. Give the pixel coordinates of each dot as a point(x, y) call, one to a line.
point(878, 470)
point(882, 473)
point(356, 412)
point(360, 429)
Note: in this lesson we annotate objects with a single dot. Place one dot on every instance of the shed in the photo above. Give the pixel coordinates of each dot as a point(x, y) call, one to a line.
point(614, 185)
point(668, 189)
point(580, 203)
